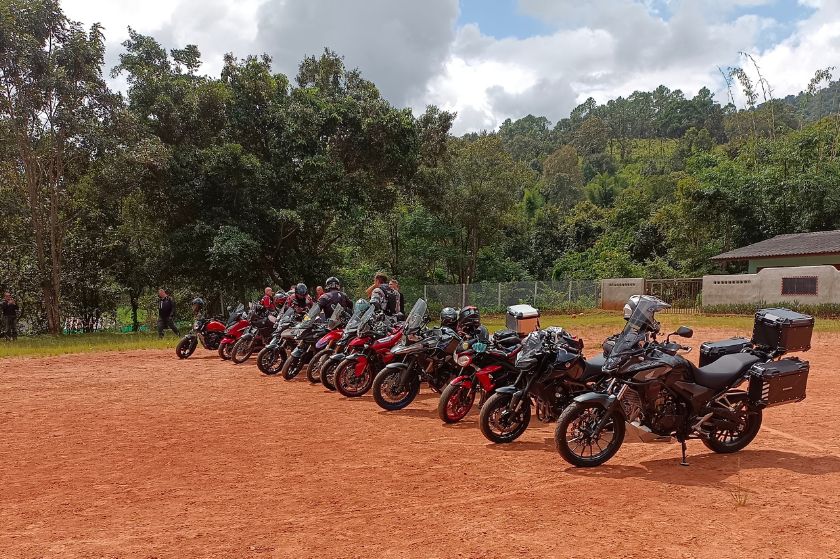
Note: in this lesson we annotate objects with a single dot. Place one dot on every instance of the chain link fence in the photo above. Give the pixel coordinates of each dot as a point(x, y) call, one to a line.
point(557, 295)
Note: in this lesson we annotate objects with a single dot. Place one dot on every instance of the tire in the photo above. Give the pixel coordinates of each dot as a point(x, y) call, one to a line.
point(225, 351)
point(348, 384)
point(722, 443)
point(583, 414)
point(242, 350)
point(313, 372)
point(270, 360)
point(500, 427)
point(455, 402)
point(186, 347)
point(328, 375)
point(291, 368)
point(384, 390)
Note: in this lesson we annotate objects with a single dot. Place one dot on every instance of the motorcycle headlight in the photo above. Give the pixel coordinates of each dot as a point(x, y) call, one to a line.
point(463, 360)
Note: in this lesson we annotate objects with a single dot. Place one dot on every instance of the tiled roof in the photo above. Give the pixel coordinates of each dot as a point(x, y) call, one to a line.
point(796, 244)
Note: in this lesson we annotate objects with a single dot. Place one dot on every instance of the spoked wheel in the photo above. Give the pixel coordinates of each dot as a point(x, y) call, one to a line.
point(313, 372)
point(350, 384)
point(328, 374)
point(225, 351)
point(186, 347)
point(725, 441)
point(242, 350)
point(455, 402)
point(576, 440)
point(270, 360)
point(388, 392)
point(291, 368)
point(499, 423)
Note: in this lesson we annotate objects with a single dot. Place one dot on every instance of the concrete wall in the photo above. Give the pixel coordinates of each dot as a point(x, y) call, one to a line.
point(766, 286)
point(616, 291)
point(788, 261)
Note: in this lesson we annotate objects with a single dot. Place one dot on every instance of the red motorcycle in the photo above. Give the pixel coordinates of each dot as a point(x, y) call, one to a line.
point(236, 325)
point(484, 368)
point(367, 354)
point(208, 331)
point(325, 348)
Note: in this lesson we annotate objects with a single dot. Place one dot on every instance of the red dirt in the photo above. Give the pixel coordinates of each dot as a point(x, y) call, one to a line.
point(138, 454)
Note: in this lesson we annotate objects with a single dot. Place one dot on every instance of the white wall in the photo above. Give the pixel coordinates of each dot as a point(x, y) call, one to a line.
point(766, 286)
point(616, 291)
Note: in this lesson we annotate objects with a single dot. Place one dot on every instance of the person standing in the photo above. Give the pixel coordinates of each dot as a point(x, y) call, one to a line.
point(381, 295)
point(10, 316)
point(166, 312)
point(333, 297)
point(395, 285)
point(318, 292)
point(268, 299)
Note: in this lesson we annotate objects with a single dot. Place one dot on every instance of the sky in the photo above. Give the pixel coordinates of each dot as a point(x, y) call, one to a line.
point(490, 60)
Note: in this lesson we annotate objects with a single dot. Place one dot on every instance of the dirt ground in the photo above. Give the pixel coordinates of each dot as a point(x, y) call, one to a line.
point(138, 454)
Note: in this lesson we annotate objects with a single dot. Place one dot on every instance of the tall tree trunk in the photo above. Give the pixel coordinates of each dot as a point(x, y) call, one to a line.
point(135, 304)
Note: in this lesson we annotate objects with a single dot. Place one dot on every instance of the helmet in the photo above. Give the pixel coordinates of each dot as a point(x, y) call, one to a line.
point(630, 306)
point(332, 284)
point(448, 317)
point(469, 317)
point(279, 299)
point(301, 290)
point(197, 304)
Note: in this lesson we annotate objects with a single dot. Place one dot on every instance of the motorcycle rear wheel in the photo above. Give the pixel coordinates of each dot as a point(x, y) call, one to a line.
point(391, 397)
point(350, 385)
point(242, 350)
point(728, 441)
point(572, 435)
point(186, 347)
point(455, 402)
point(500, 424)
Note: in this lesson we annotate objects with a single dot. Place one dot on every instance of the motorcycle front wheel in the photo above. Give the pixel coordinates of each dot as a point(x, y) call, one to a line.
point(328, 375)
point(242, 350)
point(225, 350)
point(270, 360)
point(291, 368)
point(313, 373)
point(348, 383)
point(576, 441)
point(389, 394)
point(455, 402)
point(499, 423)
point(186, 347)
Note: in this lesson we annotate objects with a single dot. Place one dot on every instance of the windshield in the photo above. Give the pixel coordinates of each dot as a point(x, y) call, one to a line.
point(642, 322)
point(415, 318)
point(288, 315)
point(313, 312)
point(337, 315)
point(358, 310)
point(365, 320)
point(532, 346)
point(236, 313)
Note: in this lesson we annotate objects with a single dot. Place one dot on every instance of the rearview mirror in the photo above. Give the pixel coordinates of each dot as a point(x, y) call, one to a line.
point(684, 332)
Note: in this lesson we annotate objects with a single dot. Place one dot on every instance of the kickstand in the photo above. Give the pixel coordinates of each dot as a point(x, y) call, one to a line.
point(683, 462)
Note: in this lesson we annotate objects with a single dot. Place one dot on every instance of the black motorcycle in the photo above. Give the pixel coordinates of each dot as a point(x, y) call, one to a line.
point(662, 395)
point(425, 356)
point(305, 336)
point(270, 359)
point(552, 370)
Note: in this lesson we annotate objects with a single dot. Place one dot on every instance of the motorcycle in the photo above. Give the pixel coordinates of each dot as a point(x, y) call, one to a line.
point(327, 362)
point(236, 325)
point(305, 336)
point(326, 345)
point(551, 372)
point(483, 370)
point(270, 359)
point(208, 331)
point(660, 395)
point(425, 356)
point(369, 351)
point(260, 326)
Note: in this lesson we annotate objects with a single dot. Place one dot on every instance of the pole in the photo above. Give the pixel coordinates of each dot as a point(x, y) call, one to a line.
point(535, 294)
point(499, 300)
point(425, 294)
point(463, 294)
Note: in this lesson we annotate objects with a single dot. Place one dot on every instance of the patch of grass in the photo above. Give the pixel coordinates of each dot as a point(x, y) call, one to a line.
point(739, 494)
point(44, 345)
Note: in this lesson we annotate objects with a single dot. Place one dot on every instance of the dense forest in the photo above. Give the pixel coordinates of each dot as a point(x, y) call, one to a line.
point(225, 184)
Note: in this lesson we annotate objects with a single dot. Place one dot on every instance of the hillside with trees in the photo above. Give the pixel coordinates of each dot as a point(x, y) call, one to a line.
point(224, 184)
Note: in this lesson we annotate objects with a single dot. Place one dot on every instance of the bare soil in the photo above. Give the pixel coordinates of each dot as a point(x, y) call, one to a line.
point(138, 454)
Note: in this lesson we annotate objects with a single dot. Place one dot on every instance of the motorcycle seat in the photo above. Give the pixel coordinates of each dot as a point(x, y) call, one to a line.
point(724, 370)
point(594, 366)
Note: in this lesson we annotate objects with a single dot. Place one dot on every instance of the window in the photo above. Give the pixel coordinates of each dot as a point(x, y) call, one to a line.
point(806, 285)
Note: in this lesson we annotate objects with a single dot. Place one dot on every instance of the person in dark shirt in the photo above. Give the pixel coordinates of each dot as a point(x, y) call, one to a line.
point(333, 297)
point(10, 316)
point(166, 313)
point(395, 285)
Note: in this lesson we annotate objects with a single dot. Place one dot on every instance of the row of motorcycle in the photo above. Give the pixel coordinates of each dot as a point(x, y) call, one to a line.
point(637, 381)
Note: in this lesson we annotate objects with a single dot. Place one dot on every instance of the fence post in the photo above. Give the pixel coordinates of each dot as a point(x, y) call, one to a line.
point(499, 299)
point(535, 294)
point(463, 294)
point(425, 295)
point(570, 291)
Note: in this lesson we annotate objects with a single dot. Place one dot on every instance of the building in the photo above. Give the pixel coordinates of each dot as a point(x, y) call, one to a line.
point(782, 251)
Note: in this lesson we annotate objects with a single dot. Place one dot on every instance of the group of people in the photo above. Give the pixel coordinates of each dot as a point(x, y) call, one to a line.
point(383, 293)
point(10, 313)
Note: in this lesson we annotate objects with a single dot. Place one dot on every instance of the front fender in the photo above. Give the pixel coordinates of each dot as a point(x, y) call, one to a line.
point(463, 380)
point(606, 401)
point(336, 358)
point(507, 390)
